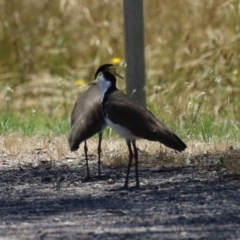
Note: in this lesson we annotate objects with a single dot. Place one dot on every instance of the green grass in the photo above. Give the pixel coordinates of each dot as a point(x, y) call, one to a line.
point(204, 129)
point(30, 124)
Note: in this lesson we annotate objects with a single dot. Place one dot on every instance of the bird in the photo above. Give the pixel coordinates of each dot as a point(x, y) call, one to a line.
point(87, 118)
point(132, 121)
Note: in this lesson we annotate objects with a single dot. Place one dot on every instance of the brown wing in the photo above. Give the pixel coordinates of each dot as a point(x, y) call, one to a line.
point(140, 121)
point(86, 118)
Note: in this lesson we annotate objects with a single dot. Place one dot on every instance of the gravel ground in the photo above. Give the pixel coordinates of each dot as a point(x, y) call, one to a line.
point(42, 200)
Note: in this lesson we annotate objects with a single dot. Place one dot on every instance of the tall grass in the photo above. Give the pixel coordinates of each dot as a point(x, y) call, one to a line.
point(192, 51)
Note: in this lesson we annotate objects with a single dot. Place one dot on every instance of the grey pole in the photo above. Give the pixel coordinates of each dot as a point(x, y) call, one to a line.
point(134, 49)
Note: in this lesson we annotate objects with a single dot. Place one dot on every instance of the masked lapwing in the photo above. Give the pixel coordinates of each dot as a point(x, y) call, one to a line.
point(132, 121)
point(87, 118)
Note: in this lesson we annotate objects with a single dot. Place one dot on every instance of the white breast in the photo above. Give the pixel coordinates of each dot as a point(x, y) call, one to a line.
point(121, 131)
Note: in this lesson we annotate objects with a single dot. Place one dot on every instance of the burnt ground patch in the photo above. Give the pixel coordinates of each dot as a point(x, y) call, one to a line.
point(190, 202)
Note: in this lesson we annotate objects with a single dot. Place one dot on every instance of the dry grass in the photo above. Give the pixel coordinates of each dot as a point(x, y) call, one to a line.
point(232, 160)
point(115, 152)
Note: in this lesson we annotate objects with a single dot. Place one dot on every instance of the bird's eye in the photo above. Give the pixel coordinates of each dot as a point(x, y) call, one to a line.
point(107, 69)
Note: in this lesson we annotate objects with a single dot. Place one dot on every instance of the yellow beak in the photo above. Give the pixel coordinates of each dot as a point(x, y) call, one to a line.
point(118, 75)
point(113, 71)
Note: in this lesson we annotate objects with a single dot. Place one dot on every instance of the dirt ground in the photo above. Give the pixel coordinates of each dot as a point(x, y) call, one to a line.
point(43, 199)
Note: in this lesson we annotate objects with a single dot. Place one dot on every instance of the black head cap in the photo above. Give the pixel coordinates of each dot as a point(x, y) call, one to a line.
point(109, 77)
point(102, 68)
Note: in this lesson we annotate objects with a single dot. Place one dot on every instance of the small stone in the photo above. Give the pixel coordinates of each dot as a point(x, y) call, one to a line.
point(56, 219)
point(75, 184)
point(111, 181)
point(209, 198)
point(183, 234)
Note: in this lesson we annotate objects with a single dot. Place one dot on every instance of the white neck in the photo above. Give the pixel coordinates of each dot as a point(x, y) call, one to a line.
point(103, 85)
